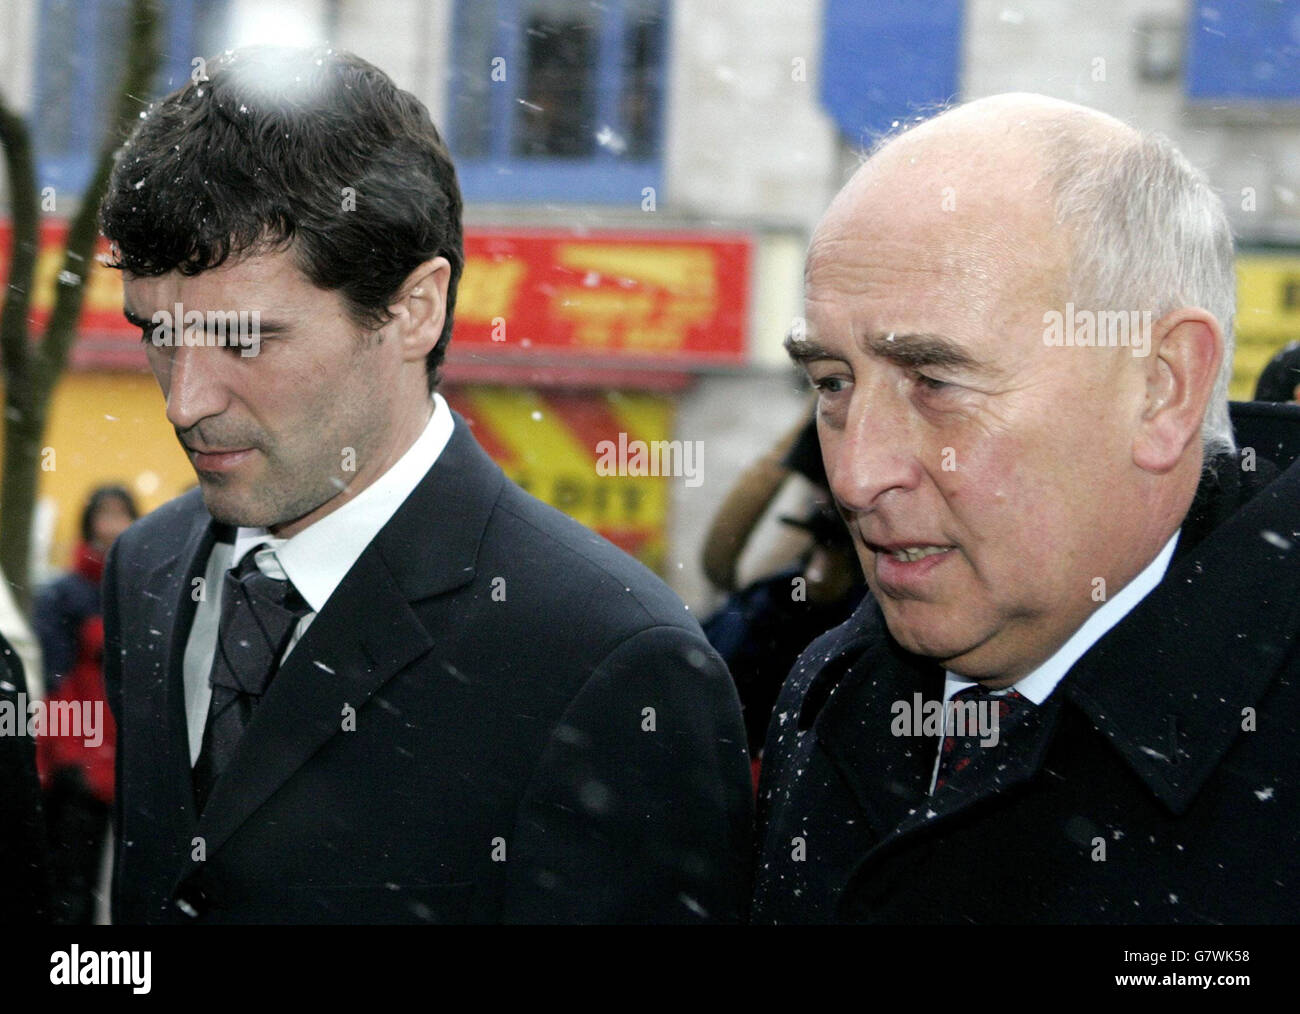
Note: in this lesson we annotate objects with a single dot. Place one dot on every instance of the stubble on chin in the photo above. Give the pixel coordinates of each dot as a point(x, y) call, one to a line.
point(225, 507)
point(260, 507)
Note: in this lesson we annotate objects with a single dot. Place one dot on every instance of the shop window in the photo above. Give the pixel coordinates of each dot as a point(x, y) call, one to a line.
point(557, 100)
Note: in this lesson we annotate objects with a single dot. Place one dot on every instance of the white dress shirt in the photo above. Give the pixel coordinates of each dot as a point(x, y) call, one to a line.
point(1038, 685)
point(316, 559)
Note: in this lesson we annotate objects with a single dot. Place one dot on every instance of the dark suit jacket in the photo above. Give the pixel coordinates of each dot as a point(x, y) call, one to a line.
point(1134, 795)
point(542, 733)
point(24, 876)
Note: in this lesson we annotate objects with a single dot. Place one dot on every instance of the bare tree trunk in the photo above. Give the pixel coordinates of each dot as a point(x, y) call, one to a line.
point(31, 371)
point(18, 491)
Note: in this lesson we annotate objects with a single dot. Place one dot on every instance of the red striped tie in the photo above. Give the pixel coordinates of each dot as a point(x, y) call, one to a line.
point(970, 711)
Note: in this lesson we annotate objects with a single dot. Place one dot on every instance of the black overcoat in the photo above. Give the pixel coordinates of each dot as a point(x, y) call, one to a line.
point(541, 732)
point(1157, 784)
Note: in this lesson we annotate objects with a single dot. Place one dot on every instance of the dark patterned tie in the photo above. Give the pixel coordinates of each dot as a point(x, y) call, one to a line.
point(258, 616)
point(963, 740)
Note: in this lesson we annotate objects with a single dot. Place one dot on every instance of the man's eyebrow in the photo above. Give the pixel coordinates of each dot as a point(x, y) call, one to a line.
point(913, 351)
point(919, 350)
point(264, 327)
point(805, 350)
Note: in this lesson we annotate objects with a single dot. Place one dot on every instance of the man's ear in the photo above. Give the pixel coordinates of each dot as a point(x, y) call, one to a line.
point(421, 308)
point(1181, 366)
point(1295, 395)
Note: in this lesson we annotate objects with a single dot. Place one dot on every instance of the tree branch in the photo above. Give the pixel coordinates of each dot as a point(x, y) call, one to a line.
point(83, 230)
point(20, 170)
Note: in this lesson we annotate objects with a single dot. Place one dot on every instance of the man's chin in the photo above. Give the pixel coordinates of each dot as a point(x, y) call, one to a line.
point(973, 655)
point(227, 507)
point(926, 630)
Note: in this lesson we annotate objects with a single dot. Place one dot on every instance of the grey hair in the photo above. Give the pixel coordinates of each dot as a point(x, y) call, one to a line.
point(1149, 232)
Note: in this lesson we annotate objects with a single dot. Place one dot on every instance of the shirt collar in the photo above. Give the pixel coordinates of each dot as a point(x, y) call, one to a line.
point(319, 557)
point(1039, 684)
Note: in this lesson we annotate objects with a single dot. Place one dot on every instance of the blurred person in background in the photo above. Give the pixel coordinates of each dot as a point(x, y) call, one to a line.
point(763, 627)
point(1280, 379)
point(77, 770)
point(1072, 693)
point(65, 604)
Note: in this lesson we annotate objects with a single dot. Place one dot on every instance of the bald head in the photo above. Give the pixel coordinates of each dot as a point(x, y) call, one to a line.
point(994, 479)
point(1016, 119)
point(990, 157)
point(1136, 225)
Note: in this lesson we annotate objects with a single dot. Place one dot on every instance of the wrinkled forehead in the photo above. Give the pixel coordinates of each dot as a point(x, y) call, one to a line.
point(925, 242)
point(983, 200)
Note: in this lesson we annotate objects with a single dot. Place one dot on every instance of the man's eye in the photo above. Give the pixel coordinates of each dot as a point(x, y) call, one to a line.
point(829, 385)
point(931, 384)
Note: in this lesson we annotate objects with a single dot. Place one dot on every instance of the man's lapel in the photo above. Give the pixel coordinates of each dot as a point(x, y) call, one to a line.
point(890, 774)
point(366, 633)
point(886, 773)
point(993, 771)
point(159, 661)
point(1173, 685)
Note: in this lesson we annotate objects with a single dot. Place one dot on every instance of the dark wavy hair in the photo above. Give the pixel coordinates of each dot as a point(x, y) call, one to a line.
point(256, 158)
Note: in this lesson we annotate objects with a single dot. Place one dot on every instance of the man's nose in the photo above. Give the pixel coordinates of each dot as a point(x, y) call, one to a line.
point(874, 457)
point(195, 388)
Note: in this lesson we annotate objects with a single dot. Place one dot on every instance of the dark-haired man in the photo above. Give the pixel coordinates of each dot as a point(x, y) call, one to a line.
point(359, 675)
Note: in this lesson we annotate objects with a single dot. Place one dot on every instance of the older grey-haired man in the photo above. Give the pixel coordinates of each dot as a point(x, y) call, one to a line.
point(1071, 694)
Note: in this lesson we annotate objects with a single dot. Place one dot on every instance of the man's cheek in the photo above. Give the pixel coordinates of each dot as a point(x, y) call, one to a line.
point(159, 366)
point(865, 557)
point(982, 485)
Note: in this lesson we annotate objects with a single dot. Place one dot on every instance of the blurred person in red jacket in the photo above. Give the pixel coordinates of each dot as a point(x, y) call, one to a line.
point(75, 746)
